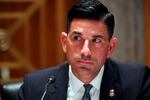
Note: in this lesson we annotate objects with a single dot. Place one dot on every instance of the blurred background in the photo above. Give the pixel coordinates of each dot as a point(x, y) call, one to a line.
point(30, 34)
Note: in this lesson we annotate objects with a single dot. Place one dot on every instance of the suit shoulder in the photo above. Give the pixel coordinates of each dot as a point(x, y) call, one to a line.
point(131, 72)
point(129, 67)
point(45, 73)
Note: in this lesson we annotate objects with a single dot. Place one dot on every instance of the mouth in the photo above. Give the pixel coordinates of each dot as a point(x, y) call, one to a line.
point(87, 62)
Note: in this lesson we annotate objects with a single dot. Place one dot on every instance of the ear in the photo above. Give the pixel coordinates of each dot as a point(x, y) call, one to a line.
point(112, 46)
point(64, 41)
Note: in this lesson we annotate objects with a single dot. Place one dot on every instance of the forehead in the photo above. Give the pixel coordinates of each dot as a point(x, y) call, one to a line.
point(88, 27)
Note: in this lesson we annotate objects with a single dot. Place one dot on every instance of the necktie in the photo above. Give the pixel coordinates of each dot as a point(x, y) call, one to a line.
point(86, 95)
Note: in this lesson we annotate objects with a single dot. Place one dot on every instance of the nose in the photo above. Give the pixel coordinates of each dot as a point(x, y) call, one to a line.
point(85, 51)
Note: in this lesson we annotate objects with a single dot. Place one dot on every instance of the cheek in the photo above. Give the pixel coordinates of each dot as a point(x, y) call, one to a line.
point(73, 48)
point(100, 53)
point(70, 52)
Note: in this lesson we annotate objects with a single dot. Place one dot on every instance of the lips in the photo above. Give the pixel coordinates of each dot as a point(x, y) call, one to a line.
point(85, 62)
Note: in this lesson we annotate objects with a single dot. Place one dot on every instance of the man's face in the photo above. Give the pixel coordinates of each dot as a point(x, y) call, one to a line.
point(87, 46)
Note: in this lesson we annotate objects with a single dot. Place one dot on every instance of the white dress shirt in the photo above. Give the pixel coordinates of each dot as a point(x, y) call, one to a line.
point(76, 90)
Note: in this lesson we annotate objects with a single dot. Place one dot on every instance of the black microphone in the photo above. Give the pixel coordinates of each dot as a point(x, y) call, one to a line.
point(50, 80)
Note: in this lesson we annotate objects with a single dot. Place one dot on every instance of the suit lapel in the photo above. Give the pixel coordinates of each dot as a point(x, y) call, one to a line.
point(111, 86)
point(58, 90)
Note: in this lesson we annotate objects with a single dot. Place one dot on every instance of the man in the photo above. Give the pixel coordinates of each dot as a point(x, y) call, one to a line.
point(89, 73)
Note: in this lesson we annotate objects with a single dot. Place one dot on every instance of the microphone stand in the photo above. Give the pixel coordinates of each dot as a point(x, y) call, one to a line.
point(50, 80)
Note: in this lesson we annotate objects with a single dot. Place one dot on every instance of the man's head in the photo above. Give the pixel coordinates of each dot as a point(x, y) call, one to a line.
point(88, 41)
point(94, 10)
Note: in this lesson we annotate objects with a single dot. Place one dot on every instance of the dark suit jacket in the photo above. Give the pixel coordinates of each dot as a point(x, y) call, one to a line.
point(129, 82)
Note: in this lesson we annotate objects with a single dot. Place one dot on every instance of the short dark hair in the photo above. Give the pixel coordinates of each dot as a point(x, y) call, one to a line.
point(94, 10)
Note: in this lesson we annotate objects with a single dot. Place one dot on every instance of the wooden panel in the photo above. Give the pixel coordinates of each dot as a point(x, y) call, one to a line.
point(60, 23)
point(13, 6)
point(5, 23)
point(35, 29)
point(34, 39)
point(147, 30)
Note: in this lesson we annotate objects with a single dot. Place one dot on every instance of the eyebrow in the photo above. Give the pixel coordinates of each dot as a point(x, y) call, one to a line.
point(94, 36)
point(76, 32)
point(98, 36)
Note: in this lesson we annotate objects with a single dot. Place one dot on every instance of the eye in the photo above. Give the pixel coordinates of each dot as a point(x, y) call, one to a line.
point(96, 40)
point(77, 37)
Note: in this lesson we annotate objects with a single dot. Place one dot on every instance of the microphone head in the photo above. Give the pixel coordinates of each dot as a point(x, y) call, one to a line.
point(52, 79)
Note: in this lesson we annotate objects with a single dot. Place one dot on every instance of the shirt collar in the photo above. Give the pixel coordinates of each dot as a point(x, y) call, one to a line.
point(96, 82)
point(76, 84)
